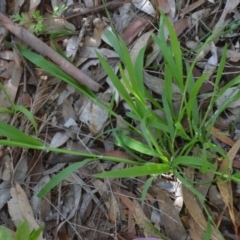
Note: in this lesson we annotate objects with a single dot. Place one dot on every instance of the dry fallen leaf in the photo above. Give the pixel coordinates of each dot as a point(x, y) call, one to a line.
point(20, 209)
point(226, 187)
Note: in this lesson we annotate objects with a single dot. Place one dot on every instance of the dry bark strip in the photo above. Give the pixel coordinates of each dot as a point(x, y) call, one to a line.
point(47, 51)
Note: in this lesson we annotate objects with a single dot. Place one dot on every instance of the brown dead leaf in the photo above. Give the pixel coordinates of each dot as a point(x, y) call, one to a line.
point(192, 6)
point(35, 167)
point(20, 209)
point(226, 188)
point(134, 28)
point(195, 209)
point(180, 25)
point(163, 5)
point(138, 214)
point(171, 220)
point(225, 139)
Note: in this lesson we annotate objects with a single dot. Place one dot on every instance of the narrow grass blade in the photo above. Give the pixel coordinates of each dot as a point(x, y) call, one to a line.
point(169, 117)
point(139, 74)
point(136, 145)
point(115, 80)
point(35, 233)
point(14, 134)
point(146, 186)
point(196, 162)
point(61, 176)
point(27, 114)
point(175, 45)
point(23, 231)
point(147, 169)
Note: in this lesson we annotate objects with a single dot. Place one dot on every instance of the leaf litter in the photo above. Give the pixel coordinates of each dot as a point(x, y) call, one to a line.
point(82, 206)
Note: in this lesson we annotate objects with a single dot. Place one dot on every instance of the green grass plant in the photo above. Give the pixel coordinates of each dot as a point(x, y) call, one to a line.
point(156, 136)
point(23, 232)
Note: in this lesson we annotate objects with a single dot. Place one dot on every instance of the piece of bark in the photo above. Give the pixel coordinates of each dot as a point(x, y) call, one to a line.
point(47, 51)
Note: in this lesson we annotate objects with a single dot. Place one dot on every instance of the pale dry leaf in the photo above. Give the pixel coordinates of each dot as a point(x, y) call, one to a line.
point(124, 17)
point(21, 168)
point(178, 204)
point(41, 206)
point(65, 94)
point(140, 43)
point(171, 14)
point(93, 115)
point(112, 87)
point(59, 139)
point(20, 209)
point(212, 62)
point(145, 6)
point(72, 46)
point(6, 168)
point(90, 52)
point(67, 110)
point(86, 205)
point(4, 193)
point(156, 218)
point(7, 55)
point(33, 5)
point(51, 24)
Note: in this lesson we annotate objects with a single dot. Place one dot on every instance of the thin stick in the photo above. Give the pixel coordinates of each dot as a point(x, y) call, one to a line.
point(46, 51)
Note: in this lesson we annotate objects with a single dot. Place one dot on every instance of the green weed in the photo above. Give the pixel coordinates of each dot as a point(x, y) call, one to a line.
point(180, 139)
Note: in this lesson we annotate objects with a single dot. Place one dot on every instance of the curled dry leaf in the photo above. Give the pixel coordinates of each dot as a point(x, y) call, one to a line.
point(145, 6)
point(20, 209)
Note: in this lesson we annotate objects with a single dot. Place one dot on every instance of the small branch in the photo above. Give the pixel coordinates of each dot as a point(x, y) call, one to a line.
point(47, 51)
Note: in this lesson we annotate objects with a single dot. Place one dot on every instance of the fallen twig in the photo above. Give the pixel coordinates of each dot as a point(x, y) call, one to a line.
point(47, 51)
point(96, 9)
